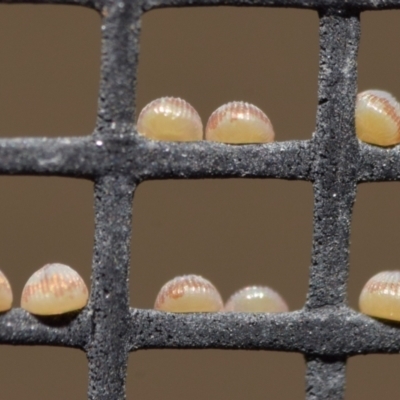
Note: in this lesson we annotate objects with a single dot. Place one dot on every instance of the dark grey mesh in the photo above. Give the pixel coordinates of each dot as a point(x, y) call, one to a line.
point(326, 331)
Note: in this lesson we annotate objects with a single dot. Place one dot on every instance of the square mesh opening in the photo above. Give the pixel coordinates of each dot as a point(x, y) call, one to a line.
point(214, 374)
point(44, 220)
point(374, 245)
point(372, 376)
point(378, 65)
point(264, 57)
point(45, 78)
point(51, 371)
point(233, 232)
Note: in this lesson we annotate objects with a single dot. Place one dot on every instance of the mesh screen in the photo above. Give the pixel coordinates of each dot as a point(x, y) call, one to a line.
point(326, 331)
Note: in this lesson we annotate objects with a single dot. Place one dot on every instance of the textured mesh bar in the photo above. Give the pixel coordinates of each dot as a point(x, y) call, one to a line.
point(326, 331)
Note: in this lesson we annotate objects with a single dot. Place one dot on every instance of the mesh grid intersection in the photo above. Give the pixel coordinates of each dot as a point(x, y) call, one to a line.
point(326, 331)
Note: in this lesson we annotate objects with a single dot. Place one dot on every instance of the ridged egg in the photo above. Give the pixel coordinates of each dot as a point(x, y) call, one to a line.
point(378, 118)
point(380, 296)
point(239, 122)
point(171, 119)
point(256, 299)
point(54, 289)
point(6, 296)
point(188, 293)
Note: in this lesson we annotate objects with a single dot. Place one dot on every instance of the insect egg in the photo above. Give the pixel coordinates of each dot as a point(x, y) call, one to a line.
point(380, 296)
point(378, 118)
point(54, 289)
point(256, 299)
point(189, 293)
point(170, 118)
point(6, 296)
point(238, 123)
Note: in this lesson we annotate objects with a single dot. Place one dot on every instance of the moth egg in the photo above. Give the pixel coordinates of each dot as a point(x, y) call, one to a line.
point(239, 123)
point(377, 118)
point(380, 296)
point(54, 289)
point(6, 296)
point(189, 293)
point(172, 119)
point(256, 299)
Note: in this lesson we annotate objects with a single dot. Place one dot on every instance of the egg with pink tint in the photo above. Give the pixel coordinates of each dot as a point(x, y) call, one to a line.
point(188, 293)
point(377, 118)
point(239, 122)
point(380, 296)
point(170, 119)
point(54, 289)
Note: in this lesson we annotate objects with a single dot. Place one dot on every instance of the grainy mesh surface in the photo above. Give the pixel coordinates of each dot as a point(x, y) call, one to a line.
point(326, 331)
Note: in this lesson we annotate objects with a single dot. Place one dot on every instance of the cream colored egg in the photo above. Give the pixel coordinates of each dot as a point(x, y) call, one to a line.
point(239, 123)
point(256, 299)
point(189, 293)
point(172, 119)
point(6, 296)
point(54, 289)
point(378, 118)
point(380, 296)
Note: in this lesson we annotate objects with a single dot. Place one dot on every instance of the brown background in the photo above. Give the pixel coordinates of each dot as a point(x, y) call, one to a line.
point(234, 232)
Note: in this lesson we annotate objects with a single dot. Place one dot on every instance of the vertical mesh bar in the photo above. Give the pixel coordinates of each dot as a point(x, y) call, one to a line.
point(325, 378)
point(107, 352)
point(335, 158)
point(120, 51)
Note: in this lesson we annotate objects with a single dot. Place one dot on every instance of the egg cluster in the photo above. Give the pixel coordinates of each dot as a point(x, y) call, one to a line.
point(379, 298)
point(377, 120)
point(171, 118)
point(193, 293)
point(57, 289)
